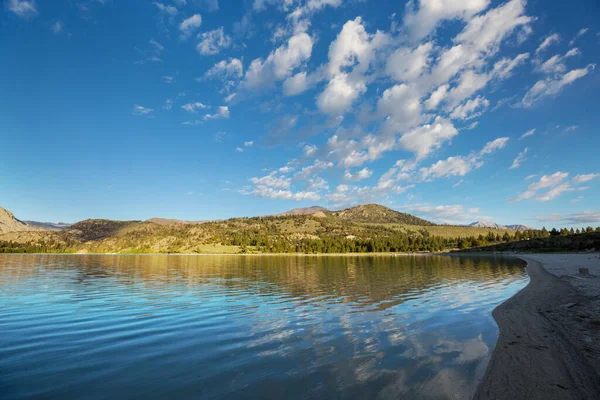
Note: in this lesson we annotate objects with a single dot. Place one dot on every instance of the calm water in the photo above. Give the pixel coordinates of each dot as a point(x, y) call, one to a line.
point(248, 327)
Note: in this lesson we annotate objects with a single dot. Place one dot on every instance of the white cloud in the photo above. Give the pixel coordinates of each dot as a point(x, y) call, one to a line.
point(317, 183)
point(470, 109)
point(504, 67)
point(339, 94)
point(452, 166)
point(437, 97)
point(272, 180)
point(222, 113)
point(581, 32)
point(447, 214)
point(407, 65)
point(527, 134)
point(552, 86)
point(428, 137)
point(281, 194)
point(248, 144)
point(547, 42)
point(280, 64)
point(239, 150)
point(555, 64)
point(22, 8)
point(141, 110)
point(311, 170)
point(194, 107)
point(296, 84)
point(519, 160)
point(494, 145)
point(430, 13)
point(228, 71)
point(168, 9)
point(359, 176)
point(546, 181)
point(189, 25)
point(350, 56)
point(213, 41)
point(585, 178)
point(168, 79)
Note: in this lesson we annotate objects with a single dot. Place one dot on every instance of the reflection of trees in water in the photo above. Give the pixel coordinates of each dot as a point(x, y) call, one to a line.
point(364, 279)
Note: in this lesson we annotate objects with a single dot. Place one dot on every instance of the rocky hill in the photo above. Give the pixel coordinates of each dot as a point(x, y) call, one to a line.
point(8, 223)
point(377, 214)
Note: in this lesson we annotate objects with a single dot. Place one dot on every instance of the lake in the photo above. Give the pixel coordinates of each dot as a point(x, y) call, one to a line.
point(233, 327)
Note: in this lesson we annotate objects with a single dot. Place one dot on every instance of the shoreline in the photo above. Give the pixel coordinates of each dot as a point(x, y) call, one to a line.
point(548, 343)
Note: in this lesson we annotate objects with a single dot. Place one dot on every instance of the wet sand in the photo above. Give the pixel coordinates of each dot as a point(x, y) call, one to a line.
point(549, 342)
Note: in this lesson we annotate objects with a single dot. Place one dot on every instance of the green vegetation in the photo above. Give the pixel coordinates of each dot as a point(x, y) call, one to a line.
point(357, 230)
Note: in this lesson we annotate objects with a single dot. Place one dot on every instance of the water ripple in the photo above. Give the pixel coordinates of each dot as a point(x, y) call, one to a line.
point(261, 327)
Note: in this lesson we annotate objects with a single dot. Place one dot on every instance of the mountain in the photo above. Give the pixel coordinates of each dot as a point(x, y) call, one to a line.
point(49, 226)
point(376, 214)
point(486, 224)
point(493, 225)
point(518, 227)
point(8, 223)
point(305, 211)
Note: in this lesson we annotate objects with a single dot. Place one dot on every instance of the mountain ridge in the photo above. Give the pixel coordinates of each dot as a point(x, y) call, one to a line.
point(493, 225)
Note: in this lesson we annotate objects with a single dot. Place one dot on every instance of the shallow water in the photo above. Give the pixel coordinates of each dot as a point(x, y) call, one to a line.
point(248, 327)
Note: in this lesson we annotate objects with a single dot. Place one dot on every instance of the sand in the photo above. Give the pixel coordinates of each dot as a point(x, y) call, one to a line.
point(549, 342)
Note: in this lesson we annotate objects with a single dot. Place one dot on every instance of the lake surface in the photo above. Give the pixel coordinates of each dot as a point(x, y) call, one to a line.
point(236, 327)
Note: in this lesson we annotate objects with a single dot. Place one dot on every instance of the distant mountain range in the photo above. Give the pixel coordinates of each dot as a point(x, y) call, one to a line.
point(9, 223)
point(493, 225)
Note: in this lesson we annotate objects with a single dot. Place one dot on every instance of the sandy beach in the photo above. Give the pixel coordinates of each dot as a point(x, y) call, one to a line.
point(549, 342)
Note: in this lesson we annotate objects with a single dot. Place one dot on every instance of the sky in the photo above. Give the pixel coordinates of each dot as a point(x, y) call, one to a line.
point(452, 110)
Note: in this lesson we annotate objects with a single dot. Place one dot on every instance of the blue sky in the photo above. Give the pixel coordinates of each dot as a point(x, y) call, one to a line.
point(452, 110)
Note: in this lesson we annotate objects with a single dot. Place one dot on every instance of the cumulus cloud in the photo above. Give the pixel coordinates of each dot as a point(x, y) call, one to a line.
point(222, 113)
point(358, 176)
point(194, 107)
point(470, 109)
point(422, 20)
point(213, 42)
point(280, 64)
point(225, 69)
point(189, 25)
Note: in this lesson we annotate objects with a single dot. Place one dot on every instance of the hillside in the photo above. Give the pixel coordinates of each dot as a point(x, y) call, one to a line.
point(8, 223)
point(366, 228)
point(376, 214)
